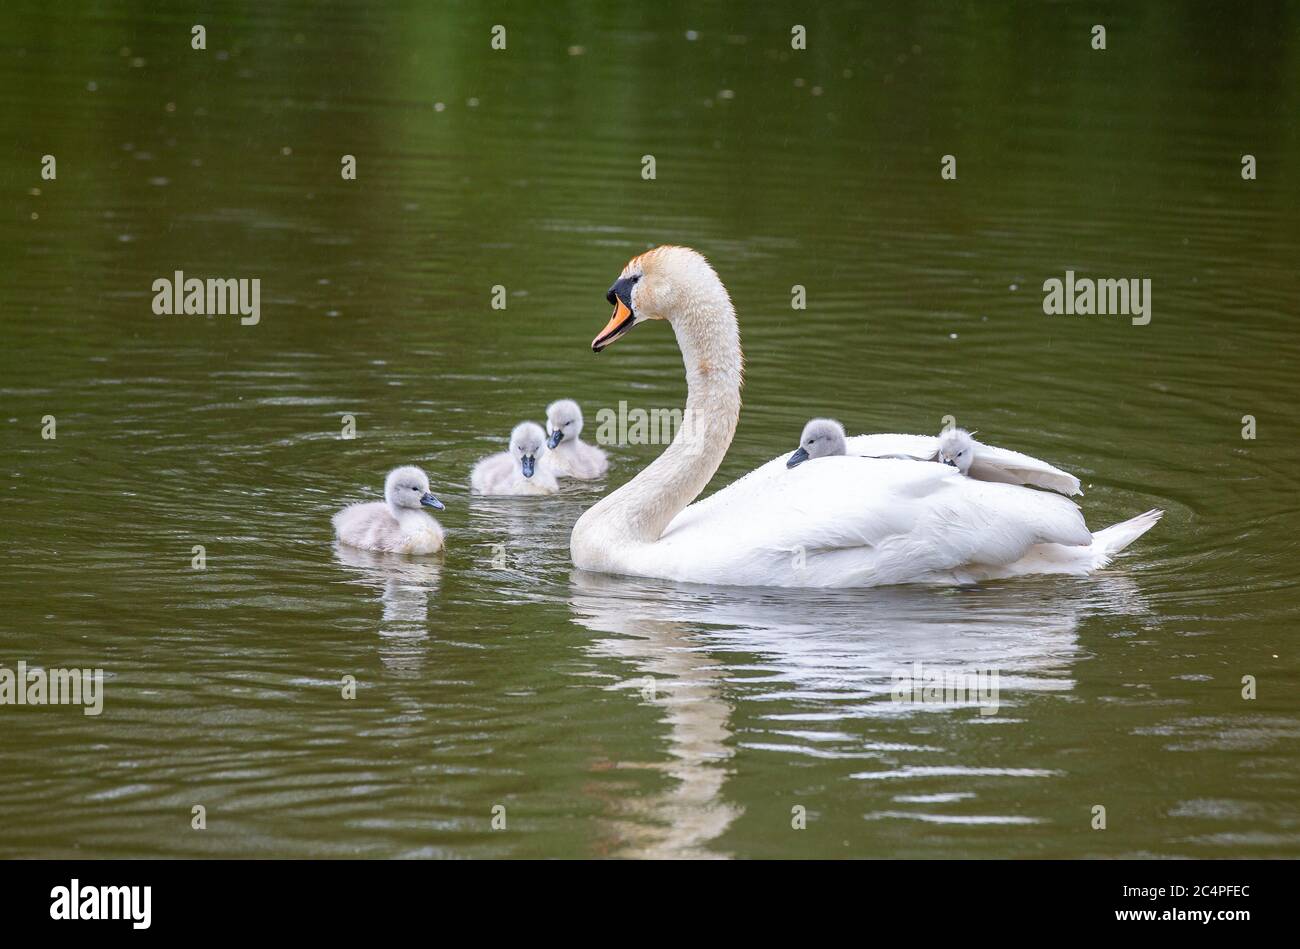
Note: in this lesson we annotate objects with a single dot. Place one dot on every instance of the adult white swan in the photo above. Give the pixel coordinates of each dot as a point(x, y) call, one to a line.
point(835, 522)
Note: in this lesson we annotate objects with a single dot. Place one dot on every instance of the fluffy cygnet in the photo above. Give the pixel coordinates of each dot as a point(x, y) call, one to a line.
point(825, 436)
point(821, 437)
point(397, 524)
point(569, 456)
point(516, 471)
point(990, 463)
point(956, 448)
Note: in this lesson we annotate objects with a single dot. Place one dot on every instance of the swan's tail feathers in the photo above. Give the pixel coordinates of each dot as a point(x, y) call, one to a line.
point(1108, 542)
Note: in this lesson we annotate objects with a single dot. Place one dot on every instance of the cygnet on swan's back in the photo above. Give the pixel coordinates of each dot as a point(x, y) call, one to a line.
point(954, 447)
point(821, 437)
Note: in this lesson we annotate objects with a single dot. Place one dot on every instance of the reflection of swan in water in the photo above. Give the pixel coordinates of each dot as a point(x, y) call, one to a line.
point(404, 585)
point(818, 658)
point(686, 683)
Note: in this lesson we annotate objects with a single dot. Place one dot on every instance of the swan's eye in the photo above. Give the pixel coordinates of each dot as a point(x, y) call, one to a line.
point(636, 277)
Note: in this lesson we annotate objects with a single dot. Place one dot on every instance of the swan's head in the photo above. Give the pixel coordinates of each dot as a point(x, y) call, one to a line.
point(821, 437)
point(563, 422)
point(957, 448)
point(526, 443)
point(655, 286)
point(408, 486)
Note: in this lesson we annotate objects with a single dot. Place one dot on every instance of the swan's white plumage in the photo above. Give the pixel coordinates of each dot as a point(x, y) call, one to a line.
point(855, 521)
point(842, 520)
point(862, 520)
point(879, 445)
point(1002, 464)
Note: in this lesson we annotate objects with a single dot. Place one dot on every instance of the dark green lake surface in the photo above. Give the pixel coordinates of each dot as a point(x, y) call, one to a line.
point(496, 675)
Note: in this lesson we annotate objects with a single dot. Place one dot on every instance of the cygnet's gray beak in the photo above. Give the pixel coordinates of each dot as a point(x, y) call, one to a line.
point(557, 436)
point(950, 462)
point(529, 465)
point(428, 500)
point(798, 458)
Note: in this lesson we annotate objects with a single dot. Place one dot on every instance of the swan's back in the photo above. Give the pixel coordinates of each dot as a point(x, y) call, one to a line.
point(859, 521)
point(916, 446)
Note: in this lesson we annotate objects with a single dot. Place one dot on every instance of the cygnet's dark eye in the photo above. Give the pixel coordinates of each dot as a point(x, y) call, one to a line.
point(414, 488)
point(636, 277)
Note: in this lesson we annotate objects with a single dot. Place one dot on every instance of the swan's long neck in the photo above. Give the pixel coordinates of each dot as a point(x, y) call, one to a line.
point(705, 325)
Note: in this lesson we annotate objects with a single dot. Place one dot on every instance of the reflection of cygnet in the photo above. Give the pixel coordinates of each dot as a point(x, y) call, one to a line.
point(515, 471)
point(404, 585)
point(569, 456)
point(398, 523)
point(821, 437)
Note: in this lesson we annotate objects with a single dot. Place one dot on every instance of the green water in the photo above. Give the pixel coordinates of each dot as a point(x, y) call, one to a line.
point(496, 675)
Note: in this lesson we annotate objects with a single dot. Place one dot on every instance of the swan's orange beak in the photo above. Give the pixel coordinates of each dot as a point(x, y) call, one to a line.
point(618, 324)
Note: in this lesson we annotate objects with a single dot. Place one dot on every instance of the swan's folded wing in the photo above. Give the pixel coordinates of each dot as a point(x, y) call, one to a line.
point(929, 514)
point(832, 513)
point(1011, 467)
point(846, 521)
point(991, 463)
point(836, 499)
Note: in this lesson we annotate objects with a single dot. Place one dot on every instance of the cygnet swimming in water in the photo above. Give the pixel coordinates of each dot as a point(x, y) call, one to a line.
point(821, 437)
point(397, 524)
point(516, 471)
point(568, 455)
